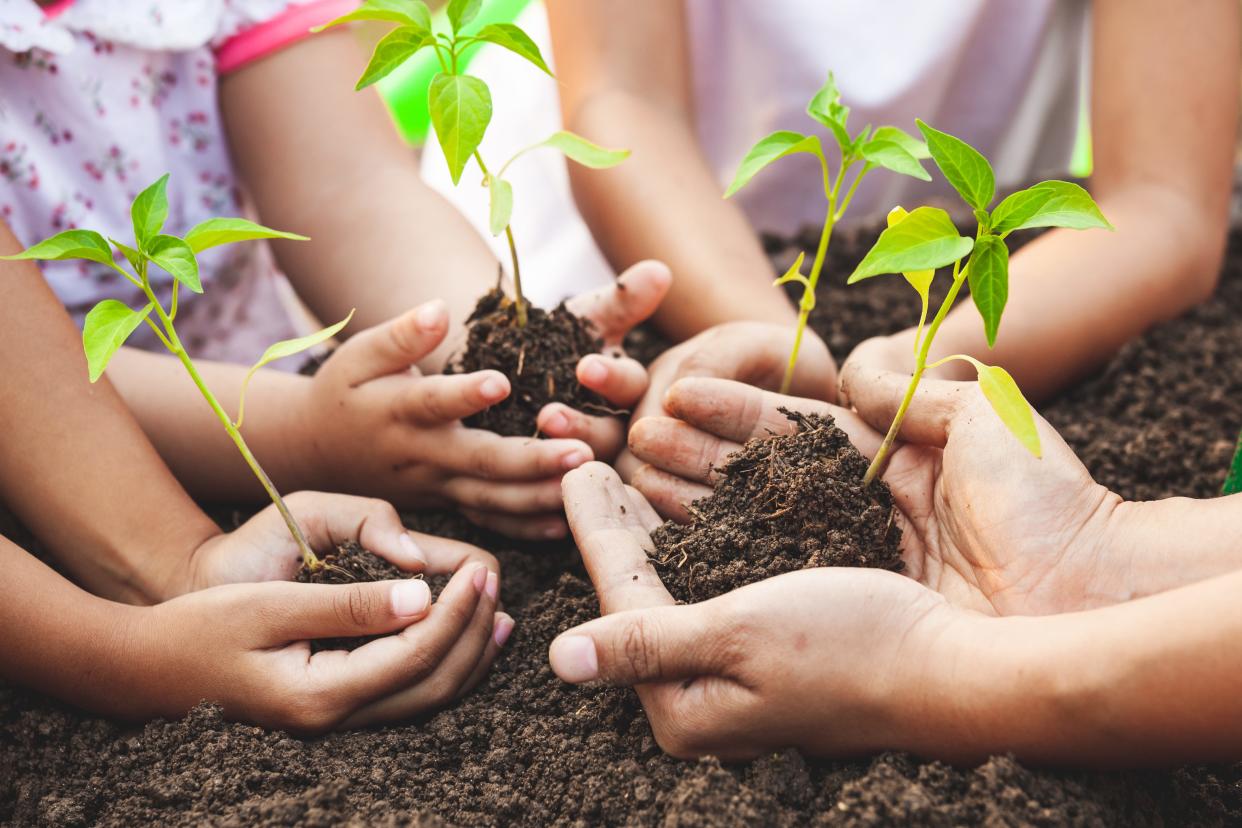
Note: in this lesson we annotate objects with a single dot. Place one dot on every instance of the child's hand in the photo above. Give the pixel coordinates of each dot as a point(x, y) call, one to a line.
point(614, 310)
point(245, 646)
point(262, 549)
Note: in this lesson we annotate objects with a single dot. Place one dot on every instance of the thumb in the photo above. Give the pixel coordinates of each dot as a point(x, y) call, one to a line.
point(639, 646)
point(618, 307)
point(877, 394)
point(393, 347)
point(304, 611)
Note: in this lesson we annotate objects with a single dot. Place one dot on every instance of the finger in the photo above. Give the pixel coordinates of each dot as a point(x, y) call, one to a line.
point(508, 498)
point(388, 664)
point(332, 519)
point(613, 540)
point(502, 628)
point(443, 398)
point(668, 494)
point(646, 515)
point(476, 453)
point(620, 380)
point(626, 464)
point(605, 435)
point(445, 556)
point(392, 347)
point(299, 612)
point(445, 682)
point(656, 644)
point(877, 394)
point(547, 527)
point(634, 296)
point(738, 412)
point(680, 449)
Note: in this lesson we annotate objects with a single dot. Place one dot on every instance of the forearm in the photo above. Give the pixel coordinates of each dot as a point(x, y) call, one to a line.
point(191, 439)
point(664, 203)
point(1166, 544)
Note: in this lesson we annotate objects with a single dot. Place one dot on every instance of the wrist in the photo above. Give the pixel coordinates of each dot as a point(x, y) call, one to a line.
point(1166, 544)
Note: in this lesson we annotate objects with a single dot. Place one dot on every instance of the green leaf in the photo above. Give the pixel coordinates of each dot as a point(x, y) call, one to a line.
point(515, 40)
point(1006, 399)
point(107, 327)
point(500, 194)
point(777, 145)
point(924, 240)
point(406, 12)
point(176, 257)
point(131, 255)
point(578, 149)
point(920, 280)
point(1233, 482)
point(794, 273)
point(71, 244)
point(217, 231)
point(893, 156)
point(286, 348)
point(826, 107)
point(965, 168)
point(1048, 204)
point(904, 140)
point(393, 50)
point(989, 282)
point(461, 108)
point(461, 12)
point(150, 211)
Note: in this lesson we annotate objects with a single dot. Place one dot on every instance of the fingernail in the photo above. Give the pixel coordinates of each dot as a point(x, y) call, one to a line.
point(480, 577)
point(593, 371)
point(573, 460)
point(493, 388)
point(492, 585)
point(556, 423)
point(428, 316)
point(410, 598)
point(411, 549)
point(573, 659)
point(502, 629)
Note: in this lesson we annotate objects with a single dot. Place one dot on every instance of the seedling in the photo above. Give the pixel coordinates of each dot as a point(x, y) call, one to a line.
point(461, 104)
point(887, 147)
point(917, 243)
point(111, 322)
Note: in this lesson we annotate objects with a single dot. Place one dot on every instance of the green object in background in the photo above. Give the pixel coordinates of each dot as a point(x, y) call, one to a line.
point(405, 90)
point(1233, 483)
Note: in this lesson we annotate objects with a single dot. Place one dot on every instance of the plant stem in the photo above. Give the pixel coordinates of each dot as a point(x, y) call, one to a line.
point(920, 365)
point(808, 294)
point(519, 300)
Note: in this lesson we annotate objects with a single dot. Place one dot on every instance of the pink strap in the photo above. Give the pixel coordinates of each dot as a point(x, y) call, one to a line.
point(55, 10)
point(287, 28)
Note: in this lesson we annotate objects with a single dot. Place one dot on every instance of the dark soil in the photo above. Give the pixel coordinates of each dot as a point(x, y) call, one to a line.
point(349, 564)
point(781, 504)
point(540, 361)
point(525, 749)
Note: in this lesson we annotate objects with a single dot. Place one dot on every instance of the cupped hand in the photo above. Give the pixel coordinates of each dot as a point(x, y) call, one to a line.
point(613, 311)
point(819, 659)
point(261, 549)
point(984, 523)
point(246, 646)
point(373, 424)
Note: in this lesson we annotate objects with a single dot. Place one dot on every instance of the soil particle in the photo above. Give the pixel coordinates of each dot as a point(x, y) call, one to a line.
point(540, 361)
point(782, 503)
point(349, 564)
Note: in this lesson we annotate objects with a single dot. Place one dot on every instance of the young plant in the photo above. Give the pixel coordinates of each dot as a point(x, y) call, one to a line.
point(917, 243)
point(887, 147)
point(461, 104)
point(111, 322)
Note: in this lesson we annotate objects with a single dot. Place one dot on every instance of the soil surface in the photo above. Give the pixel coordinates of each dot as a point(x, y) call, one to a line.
point(525, 749)
point(783, 503)
point(349, 564)
point(540, 361)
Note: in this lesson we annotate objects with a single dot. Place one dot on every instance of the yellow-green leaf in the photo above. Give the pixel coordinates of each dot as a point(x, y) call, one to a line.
point(176, 257)
point(105, 330)
point(500, 193)
point(963, 165)
point(287, 348)
point(149, 212)
point(777, 145)
point(515, 40)
point(217, 231)
point(924, 239)
point(71, 244)
point(794, 273)
point(920, 280)
point(1006, 399)
point(461, 108)
point(580, 150)
point(407, 12)
point(393, 50)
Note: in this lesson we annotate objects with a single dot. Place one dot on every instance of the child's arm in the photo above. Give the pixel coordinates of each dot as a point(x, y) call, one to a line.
point(1163, 133)
point(624, 82)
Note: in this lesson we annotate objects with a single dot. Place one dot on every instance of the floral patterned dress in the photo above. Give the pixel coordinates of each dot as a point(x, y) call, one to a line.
point(98, 98)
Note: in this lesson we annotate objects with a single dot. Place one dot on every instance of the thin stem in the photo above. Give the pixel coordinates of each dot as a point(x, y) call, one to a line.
point(920, 365)
point(808, 294)
point(849, 194)
point(519, 301)
point(439, 47)
point(172, 308)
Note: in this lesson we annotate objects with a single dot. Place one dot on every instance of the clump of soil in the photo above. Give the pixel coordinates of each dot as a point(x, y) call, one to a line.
point(348, 564)
point(783, 503)
point(540, 361)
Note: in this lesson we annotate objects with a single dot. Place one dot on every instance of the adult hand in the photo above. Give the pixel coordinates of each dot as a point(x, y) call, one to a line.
point(246, 647)
point(613, 310)
point(261, 549)
point(752, 352)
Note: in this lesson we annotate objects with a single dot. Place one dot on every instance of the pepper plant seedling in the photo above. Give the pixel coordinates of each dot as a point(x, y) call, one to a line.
point(111, 322)
point(887, 147)
point(461, 104)
point(917, 243)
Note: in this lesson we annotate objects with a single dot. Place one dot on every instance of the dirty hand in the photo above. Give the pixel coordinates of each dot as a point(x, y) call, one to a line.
point(824, 659)
point(261, 549)
point(752, 352)
point(613, 310)
point(373, 424)
point(246, 647)
point(983, 522)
